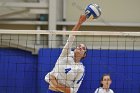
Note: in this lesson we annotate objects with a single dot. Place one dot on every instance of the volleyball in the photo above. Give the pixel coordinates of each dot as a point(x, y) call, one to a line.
point(93, 10)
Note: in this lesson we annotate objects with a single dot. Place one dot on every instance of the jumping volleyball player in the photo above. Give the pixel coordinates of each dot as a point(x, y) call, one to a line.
point(68, 73)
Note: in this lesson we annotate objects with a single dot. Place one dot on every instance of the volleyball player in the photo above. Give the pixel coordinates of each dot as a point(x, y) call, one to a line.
point(68, 73)
point(105, 85)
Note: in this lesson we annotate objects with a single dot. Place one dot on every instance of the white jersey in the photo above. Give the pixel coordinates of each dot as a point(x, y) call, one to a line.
point(101, 90)
point(66, 71)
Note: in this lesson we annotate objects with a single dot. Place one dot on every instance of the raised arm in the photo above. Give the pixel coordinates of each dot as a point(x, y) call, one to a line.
point(68, 45)
point(81, 20)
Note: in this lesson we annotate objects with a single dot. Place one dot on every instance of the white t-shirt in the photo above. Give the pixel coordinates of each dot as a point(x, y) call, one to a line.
point(66, 71)
point(101, 90)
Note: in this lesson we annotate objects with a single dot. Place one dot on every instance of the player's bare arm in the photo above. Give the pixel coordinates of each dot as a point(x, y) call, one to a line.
point(81, 20)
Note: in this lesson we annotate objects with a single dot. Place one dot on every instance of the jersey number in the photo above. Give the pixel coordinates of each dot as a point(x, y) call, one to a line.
point(67, 70)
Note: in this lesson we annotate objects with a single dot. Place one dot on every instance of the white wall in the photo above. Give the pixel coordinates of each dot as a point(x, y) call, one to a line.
point(112, 10)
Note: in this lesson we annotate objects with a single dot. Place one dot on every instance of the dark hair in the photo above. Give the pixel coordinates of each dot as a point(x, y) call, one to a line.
point(85, 52)
point(101, 85)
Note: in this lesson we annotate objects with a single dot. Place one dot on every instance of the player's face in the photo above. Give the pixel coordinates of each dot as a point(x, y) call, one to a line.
point(106, 82)
point(80, 50)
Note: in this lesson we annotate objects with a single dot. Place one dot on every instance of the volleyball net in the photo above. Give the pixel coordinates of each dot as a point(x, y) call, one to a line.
point(26, 56)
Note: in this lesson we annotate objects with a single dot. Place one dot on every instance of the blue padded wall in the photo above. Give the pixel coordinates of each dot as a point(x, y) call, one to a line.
point(22, 72)
point(122, 65)
point(46, 61)
point(18, 71)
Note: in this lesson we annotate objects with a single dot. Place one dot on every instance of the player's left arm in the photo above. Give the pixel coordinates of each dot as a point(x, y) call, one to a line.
point(77, 82)
point(68, 45)
point(81, 20)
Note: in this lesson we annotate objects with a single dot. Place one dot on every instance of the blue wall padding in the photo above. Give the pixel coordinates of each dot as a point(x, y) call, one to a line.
point(46, 61)
point(22, 72)
point(18, 71)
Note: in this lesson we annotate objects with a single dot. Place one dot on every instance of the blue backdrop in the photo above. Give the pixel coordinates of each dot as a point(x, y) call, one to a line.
point(22, 72)
point(18, 71)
